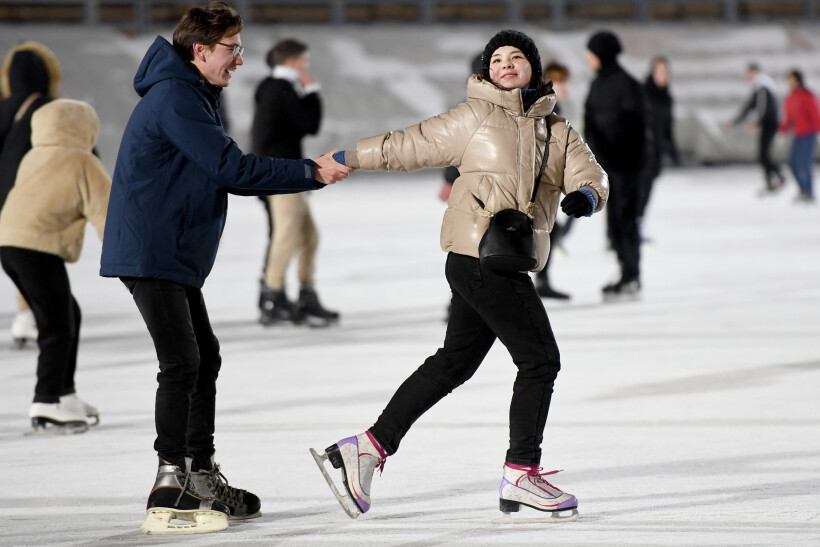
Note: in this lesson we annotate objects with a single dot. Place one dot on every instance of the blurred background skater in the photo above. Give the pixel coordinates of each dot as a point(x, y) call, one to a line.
point(30, 77)
point(498, 138)
point(289, 107)
point(558, 74)
point(660, 138)
point(763, 104)
point(801, 116)
point(615, 130)
point(60, 186)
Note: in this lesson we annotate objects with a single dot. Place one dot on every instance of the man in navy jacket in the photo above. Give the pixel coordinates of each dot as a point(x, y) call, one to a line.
point(175, 169)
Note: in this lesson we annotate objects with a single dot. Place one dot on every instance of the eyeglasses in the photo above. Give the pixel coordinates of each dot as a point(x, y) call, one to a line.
point(237, 49)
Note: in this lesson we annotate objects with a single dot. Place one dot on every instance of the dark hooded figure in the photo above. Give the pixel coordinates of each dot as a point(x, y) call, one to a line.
point(615, 127)
point(660, 122)
point(30, 78)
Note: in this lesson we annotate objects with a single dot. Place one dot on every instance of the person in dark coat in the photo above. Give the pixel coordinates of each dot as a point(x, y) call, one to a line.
point(615, 130)
point(167, 209)
point(661, 122)
point(288, 108)
point(29, 78)
point(763, 104)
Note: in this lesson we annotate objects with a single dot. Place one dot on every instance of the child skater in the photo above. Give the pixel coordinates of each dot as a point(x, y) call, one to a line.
point(496, 139)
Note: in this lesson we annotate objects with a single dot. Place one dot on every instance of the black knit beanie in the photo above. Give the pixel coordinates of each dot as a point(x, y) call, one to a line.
point(518, 40)
point(605, 45)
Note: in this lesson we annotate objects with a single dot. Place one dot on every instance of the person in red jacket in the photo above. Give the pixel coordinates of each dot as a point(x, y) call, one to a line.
point(801, 116)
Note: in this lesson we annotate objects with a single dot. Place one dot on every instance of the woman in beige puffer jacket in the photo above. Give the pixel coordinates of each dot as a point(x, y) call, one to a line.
point(60, 186)
point(496, 139)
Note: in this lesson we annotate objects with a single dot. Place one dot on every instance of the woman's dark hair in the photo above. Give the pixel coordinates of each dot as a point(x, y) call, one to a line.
point(205, 25)
point(797, 75)
point(284, 50)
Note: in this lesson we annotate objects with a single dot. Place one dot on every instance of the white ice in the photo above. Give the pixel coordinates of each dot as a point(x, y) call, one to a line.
point(688, 418)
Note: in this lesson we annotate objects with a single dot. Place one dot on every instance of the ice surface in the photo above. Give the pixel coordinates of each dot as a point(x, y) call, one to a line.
point(690, 417)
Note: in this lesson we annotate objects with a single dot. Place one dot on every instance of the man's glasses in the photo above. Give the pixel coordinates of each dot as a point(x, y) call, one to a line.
point(237, 49)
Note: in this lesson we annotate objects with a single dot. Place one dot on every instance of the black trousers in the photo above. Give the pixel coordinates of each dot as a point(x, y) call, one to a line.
point(43, 281)
point(622, 221)
point(189, 363)
point(485, 306)
point(770, 168)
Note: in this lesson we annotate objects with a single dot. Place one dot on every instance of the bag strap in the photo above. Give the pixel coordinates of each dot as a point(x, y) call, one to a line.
point(543, 164)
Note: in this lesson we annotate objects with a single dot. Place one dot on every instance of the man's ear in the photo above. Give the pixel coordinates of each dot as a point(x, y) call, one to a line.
point(199, 51)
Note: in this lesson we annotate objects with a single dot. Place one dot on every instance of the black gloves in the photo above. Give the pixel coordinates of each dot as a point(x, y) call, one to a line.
point(577, 204)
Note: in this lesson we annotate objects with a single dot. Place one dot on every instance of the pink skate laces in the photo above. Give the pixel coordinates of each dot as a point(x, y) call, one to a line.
point(380, 450)
point(535, 471)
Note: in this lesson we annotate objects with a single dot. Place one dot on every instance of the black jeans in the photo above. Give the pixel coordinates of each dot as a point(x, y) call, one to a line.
point(485, 306)
point(770, 168)
point(43, 282)
point(622, 221)
point(189, 364)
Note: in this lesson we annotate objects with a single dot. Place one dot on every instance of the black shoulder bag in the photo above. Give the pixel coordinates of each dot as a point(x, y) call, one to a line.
point(508, 245)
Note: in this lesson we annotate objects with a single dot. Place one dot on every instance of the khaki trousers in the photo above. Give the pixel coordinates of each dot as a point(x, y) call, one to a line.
point(22, 305)
point(293, 232)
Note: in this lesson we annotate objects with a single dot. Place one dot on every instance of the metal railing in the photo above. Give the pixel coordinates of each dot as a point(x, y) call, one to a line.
point(140, 14)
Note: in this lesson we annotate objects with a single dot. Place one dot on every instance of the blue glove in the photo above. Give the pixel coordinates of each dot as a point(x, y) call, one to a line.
point(340, 157)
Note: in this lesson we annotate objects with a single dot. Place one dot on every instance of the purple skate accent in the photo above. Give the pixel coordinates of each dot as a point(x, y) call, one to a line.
point(349, 440)
point(571, 503)
point(365, 507)
point(501, 488)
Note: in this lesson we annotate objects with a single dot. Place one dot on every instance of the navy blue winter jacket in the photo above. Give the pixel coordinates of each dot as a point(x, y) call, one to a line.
point(175, 169)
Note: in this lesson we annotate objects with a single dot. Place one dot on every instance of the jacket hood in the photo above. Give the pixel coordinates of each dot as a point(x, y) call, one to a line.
point(30, 67)
point(478, 88)
point(160, 63)
point(67, 123)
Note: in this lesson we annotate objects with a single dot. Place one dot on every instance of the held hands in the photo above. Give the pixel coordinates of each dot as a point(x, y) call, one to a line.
point(328, 170)
point(577, 204)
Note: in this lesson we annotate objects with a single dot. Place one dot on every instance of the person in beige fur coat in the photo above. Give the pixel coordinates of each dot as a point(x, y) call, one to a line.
point(60, 186)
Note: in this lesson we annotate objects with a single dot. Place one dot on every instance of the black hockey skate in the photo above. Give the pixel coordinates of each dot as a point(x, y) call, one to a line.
point(623, 291)
point(274, 307)
point(308, 310)
point(241, 504)
point(177, 496)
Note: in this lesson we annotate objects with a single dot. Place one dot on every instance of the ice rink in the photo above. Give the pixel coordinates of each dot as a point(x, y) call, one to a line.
point(691, 417)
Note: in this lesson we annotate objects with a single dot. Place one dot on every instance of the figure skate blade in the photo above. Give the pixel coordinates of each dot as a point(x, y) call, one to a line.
point(160, 520)
point(347, 503)
point(554, 517)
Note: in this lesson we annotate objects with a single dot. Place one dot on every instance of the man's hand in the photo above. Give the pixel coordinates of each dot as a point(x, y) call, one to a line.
point(328, 170)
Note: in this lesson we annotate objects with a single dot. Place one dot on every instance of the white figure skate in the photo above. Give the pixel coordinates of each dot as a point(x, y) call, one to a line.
point(75, 404)
point(56, 419)
point(24, 329)
point(358, 457)
point(525, 485)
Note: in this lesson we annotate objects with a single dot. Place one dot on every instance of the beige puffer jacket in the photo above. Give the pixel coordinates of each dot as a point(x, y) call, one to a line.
point(60, 184)
point(498, 149)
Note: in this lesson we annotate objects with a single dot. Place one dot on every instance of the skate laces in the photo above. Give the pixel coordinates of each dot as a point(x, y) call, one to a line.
point(223, 491)
point(184, 487)
point(538, 474)
point(382, 457)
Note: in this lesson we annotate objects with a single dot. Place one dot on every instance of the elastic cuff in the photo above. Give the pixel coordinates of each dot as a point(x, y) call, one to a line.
point(593, 199)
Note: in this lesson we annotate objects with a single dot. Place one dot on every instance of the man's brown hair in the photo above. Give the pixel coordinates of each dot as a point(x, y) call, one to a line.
point(284, 50)
point(205, 25)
